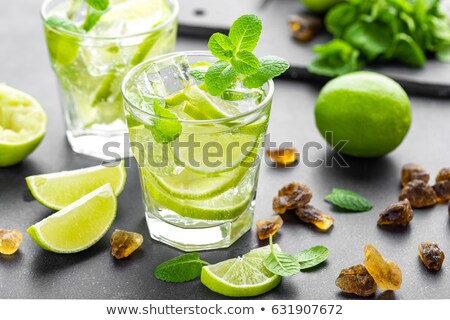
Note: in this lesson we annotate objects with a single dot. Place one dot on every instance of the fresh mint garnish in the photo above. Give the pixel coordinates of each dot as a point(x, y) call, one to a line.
point(281, 263)
point(312, 257)
point(164, 130)
point(58, 22)
point(245, 32)
point(219, 77)
point(269, 67)
point(198, 73)
point(183, 268)
point(221, 46)
point(349, 200)
point(236, 60)
point(245, 62)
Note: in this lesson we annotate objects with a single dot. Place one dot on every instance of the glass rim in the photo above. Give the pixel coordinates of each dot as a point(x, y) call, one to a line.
point(205, 53)
point(171, 18)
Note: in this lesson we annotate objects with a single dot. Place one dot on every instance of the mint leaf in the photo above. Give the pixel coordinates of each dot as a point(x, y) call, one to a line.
point(62, 23)
point(198, 74)
point(335, 58)
point(245, 62)
point(269, 68)
point(348, 200)
point(98, 4)
point(92, 18)
point(180, 269)
point(312, 257)
point(245, 32)
point(164, 130)
point(281, 263)
point(219, 77)
point(221, 46)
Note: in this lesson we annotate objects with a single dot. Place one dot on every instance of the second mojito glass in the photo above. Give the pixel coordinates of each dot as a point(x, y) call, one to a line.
point(90, 65)
point(198, 155)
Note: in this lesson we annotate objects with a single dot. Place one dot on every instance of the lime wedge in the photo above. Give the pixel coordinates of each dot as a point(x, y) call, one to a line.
point(191, 185)
point(244, 276)
point(23, 124)
point(57, 190)
point(226, 206)
point(79, 225)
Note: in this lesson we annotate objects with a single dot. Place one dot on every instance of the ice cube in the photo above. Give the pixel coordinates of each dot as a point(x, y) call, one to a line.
point(166, 77)
point(244, 99)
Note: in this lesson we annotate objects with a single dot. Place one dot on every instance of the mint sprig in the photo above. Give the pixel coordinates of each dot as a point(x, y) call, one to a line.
point(285, 265)
point(236, 60)
point(348, 200)
point(183, 268)
point(281, 263)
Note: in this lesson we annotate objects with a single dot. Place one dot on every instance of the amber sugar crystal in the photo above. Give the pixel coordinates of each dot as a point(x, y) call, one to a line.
point(419, 194)
point(443, 175)
point(399, 213)
point(310, 214)
point(268, 227)
point(431, 255)
point(291, 196)
point(304, 28)
point(124, 243)
point(386, 273)
point(283, 157)
point(10, 241)
point(412, 172)
point(356, 280)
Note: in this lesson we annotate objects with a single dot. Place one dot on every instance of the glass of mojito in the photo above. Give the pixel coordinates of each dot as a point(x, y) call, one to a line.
point(92, 44)
point(198, 154)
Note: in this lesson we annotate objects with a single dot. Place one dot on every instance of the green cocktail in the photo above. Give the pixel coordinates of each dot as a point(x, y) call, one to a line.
point(198, 154)
point(91, 49)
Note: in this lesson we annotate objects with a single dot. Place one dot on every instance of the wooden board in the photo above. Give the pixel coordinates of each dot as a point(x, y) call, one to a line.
point(201, 18)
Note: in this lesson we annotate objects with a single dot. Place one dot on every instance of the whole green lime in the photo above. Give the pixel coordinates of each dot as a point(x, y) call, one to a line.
point(370, 111)
point(319, 5)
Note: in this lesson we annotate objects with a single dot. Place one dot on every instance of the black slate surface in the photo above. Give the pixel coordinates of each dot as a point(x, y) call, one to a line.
point(204, 17)
point(33, 273)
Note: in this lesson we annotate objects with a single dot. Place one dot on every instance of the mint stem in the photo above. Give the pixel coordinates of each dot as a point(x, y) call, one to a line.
point(88, 12)
point(204, 262)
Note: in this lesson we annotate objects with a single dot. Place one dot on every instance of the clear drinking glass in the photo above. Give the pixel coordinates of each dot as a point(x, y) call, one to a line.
point(90, 67)
point(199, 189)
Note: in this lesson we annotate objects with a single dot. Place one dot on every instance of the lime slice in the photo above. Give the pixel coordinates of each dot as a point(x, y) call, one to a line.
point(23, 124)
point(191, 185)
point(206, 105)
point(226, 206)
point(226, 150)
point(131, 17)
point(244, 276)
point(79, 225)
point(57, 190)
